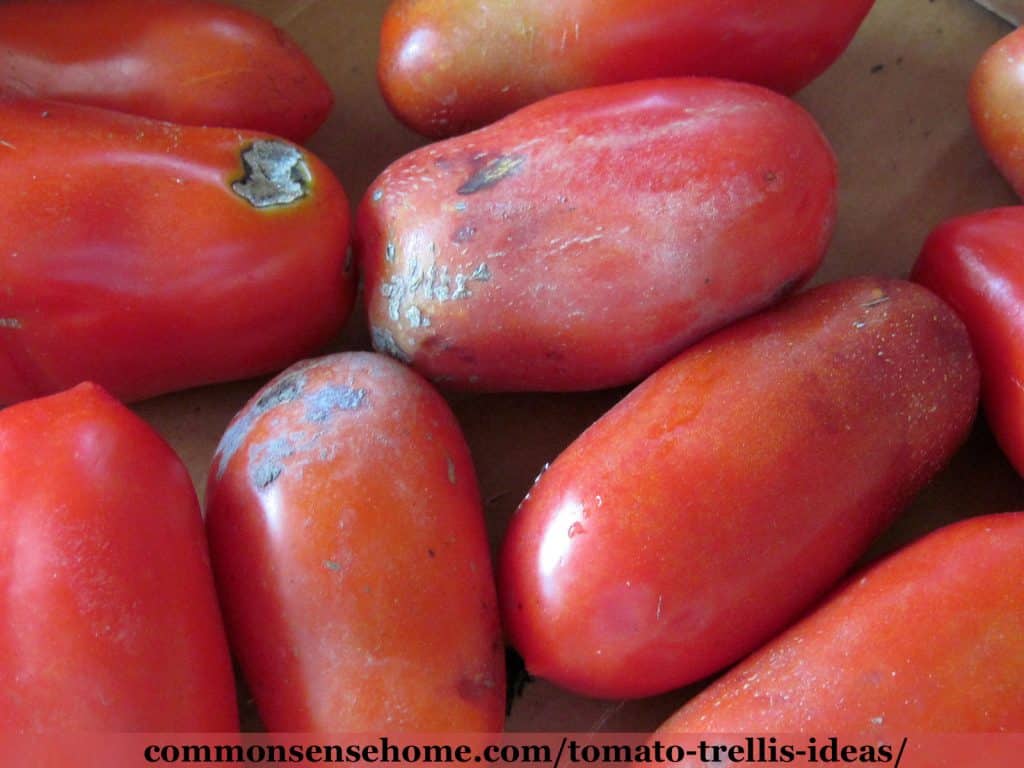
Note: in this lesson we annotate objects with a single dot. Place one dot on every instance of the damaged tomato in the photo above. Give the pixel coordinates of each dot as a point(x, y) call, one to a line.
point(976, 263)
point(109, 620)
point(930, 640)
point(351, 559)
point(150, 257)
point(448, 66)
point(581, 242)
point(194, 62)
point(727, 492)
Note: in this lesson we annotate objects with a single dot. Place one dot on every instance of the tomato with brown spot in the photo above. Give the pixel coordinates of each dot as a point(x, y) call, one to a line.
point(731, 489)
point(449, 66)
point(929, 640)
point(581, 242)
point(109, 620)
point(150, 257)
point(351, 559)
point(191, 62)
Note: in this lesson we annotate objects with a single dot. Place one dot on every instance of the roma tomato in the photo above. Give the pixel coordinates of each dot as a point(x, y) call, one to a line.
point(448, 66)
point(190, 62)
point(583, 241)
point(351, 559)
point(976, 263)
point(149, 257)
point(109, 620)
point(996, 99)
point(930, 640)
point(727, 492)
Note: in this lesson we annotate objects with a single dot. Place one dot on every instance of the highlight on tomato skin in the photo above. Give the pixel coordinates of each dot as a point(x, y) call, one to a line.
point(583, 241)
point(348, 543)
point(192, 62)
point(928, 640)
point(450, 66)
point(996, 100)
point(976, 264)
point(731, 489)
point(151, 257)
point(109, 621)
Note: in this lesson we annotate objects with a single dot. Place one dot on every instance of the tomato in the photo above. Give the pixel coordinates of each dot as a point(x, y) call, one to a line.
point(448, 66)
point(583, 241)
point(996, 99)
point(733, 487)
point(976, 263)
point(350, 553)
point(109, 620)
point(149, 257)
point(929, 640)
point(188, 61)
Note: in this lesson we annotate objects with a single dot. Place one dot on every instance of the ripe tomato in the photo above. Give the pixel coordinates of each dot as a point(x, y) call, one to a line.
point(351, 559)
point(448, 66)
point(930, 640)
point(149, 257)
point(190, 62)
point(996, 99)
point(583, 241)
point(109, 620)
point(727, 492)
point(976, 263)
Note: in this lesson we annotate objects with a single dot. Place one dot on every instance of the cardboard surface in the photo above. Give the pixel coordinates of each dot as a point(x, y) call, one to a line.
point(1011, 10)
point(894, 108)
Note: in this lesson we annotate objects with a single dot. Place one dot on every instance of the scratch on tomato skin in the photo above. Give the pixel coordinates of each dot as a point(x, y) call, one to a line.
point(502, 167)
point(10, 322)
point(7, 144)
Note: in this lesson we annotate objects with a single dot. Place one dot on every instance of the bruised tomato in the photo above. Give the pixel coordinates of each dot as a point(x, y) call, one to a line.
point(581, 242)
point(109, 620)
point(448, 66)
point(930, 640)
point(150, 257)
point(350, 553)
point(726, 493)
point(976, 263)
point(190, 62)
point(996, 99)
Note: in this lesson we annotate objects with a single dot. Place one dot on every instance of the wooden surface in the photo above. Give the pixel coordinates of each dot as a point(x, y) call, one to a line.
point(893, 107)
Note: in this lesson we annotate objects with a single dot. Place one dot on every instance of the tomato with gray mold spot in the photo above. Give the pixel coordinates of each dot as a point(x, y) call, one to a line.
point(583, 241)
point(727, 492)
point(348, 542)
point(150, 257)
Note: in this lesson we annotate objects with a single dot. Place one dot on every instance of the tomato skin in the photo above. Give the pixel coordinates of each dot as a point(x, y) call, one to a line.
point(996, 99)
point(449, 66)
point(929, 640)
point(351, 558)
point(190, 62)
point(975, 264)
point(130, 259)
point(733, 487)
point(109, 620)
point(583, 241)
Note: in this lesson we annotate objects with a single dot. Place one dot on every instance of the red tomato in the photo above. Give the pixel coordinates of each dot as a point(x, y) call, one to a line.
point(930, 640)
point(583, 241)
point(976, 263)
point(448, 66)
point(109, 620)
point(185, 61)
point(351, 558)
point(996, 100)
point(149, 257)
point(727, 492)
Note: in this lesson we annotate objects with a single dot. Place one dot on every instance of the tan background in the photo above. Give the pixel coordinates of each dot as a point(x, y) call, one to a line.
point(894, 109)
